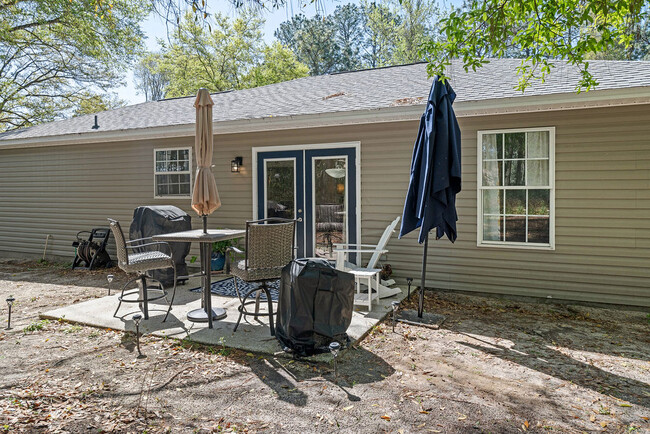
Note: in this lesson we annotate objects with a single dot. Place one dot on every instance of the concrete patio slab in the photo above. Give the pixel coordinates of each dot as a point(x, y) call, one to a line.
point(252, 335)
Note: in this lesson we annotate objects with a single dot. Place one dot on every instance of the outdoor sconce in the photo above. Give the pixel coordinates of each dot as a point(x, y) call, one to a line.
point(395, 305)
point(110, 279)
point(236, 164)
point(136, 319)
point(334, 349)
point(10, 302)
point(340, 188)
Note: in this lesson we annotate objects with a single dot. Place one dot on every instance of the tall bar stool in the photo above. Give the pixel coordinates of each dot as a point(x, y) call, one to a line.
point(269, 247)
point(145, 258)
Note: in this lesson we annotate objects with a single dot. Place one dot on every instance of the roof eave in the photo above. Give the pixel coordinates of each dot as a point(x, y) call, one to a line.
point(487, 107)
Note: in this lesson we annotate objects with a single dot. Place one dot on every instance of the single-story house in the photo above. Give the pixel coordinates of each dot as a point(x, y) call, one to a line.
point(556, 184)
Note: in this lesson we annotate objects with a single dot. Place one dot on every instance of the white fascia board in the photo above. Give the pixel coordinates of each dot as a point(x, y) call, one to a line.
point(489, 107)
point(555, 102)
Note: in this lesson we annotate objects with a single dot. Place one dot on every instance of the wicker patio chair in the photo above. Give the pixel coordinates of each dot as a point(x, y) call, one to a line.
point(269, 247)
point(145, 258)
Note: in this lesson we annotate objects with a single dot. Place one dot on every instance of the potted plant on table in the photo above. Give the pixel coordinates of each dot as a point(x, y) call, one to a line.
point(219, 248)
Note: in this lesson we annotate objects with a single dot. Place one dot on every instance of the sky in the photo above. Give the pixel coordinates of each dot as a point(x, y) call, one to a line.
point(154, 28)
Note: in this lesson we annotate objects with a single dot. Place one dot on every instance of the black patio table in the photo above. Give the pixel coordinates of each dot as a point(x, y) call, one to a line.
point(205, 241)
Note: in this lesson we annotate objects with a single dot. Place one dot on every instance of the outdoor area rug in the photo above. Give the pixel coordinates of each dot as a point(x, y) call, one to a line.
point(226, 288)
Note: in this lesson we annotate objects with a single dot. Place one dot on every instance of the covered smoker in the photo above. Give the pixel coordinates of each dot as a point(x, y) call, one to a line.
point(314, 307)
point(164, 219)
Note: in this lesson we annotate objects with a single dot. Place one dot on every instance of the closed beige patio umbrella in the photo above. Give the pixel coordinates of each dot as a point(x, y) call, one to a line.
point(205, 198)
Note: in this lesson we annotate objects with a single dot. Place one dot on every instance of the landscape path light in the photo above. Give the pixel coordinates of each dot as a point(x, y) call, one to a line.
point(110, 278)
point(395, 306)
point(10, 302)
point(335, 347)
point(136, 319)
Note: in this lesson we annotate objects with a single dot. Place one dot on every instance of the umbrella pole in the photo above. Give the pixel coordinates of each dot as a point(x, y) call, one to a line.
point(424, 275)
point(205, 223)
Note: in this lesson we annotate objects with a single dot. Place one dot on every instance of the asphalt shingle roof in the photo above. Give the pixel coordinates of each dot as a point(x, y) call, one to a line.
point(351, 91)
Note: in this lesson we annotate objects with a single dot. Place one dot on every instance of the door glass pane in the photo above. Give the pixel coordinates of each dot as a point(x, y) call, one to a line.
point(330, 213)
point(280, 192)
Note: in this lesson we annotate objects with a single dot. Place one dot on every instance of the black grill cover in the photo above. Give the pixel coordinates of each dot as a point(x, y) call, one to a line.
point(156, 220)
point(314, 307)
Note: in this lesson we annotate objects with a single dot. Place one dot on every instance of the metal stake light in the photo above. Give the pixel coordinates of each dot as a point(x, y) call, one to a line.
point(334, 349)
point(10, 302)
point(137, 318)
point(110, 280)
point(395, 305)
point(409, 280)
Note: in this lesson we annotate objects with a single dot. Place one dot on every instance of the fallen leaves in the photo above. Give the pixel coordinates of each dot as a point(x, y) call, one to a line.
point(386, 417)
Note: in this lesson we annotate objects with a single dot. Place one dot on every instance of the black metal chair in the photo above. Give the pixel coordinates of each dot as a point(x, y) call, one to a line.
point(269, 247)
point(139, 263)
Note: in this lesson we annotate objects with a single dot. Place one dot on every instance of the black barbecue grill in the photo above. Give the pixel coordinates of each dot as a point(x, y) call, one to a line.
point(164, 219)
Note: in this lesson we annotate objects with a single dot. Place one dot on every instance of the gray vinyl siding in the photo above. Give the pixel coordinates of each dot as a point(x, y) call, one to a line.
point(602, 178)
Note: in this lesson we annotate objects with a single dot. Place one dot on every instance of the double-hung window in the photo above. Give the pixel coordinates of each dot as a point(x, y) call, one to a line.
point(172, 172)
point(516, 188)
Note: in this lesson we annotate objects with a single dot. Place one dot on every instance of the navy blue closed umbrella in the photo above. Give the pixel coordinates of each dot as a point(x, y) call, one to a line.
point(435, 173)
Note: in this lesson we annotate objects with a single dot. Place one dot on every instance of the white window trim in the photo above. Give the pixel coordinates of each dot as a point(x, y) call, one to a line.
point(479, 184)
point(175, 196)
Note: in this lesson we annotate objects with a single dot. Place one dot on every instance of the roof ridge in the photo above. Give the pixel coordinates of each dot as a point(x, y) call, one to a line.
point(377, 68)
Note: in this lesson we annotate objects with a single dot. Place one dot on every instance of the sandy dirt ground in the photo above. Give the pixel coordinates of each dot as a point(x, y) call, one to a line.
point(494, 366)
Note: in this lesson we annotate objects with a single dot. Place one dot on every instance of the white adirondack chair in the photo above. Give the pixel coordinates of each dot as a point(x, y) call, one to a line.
point(343, 250)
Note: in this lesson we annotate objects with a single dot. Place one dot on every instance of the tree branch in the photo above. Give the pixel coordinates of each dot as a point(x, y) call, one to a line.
point(36, 24)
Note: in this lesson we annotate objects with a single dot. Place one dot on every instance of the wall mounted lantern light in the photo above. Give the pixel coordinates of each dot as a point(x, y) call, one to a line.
point(236, 164)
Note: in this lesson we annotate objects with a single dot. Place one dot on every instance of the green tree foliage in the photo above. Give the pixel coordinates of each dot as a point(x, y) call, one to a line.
point(352, 37)
point(638, 47)
point(149, 79)
point(52, 50)
point(89, 103)
point(542, 31)
point(380, 23)
point(227, 54)
point(278, 64)
point(414, 28)
point(347, 21)
point(313, 40)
